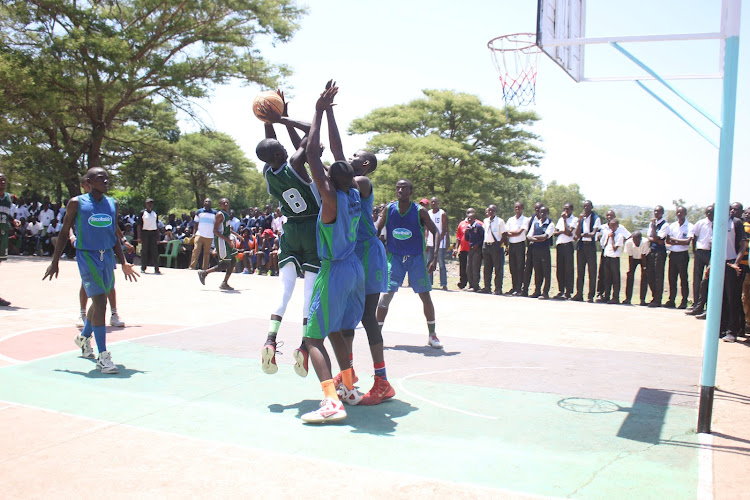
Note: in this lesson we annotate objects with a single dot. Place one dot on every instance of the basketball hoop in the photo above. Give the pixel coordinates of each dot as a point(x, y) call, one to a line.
point(516, 58)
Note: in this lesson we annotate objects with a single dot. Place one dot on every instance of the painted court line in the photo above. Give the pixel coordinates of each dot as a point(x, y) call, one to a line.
point(705, 467)
point(450, 408)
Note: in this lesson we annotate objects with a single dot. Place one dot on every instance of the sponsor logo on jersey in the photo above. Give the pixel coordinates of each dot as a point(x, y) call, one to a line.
point(100, 220)
point(401, 233)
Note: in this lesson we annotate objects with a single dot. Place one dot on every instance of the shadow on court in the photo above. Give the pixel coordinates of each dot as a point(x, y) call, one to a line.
point(378, 420)
point(96, 374)
point(426, 351)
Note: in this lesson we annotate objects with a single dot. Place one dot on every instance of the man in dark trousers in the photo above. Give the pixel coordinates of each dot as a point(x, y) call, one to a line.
point(529, 265)
point(148, 235)
point(540, 239)
point(658, 230)
point(588, 225)
point(461, 249)
point(474, 235)
point(517, 228)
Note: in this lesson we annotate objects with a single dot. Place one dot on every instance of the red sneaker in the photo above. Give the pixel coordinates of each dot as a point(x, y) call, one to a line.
point(381, 390)
point(300, 361)
point(268, 357)
point(337, 380)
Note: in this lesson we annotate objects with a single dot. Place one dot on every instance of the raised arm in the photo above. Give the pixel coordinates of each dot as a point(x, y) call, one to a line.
point(298, 160)
point(317, 171)
point(334, 138)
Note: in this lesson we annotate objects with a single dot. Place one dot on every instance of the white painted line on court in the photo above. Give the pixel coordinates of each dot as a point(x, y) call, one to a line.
point(705, 467)
point(450, 408)
point(9, 359)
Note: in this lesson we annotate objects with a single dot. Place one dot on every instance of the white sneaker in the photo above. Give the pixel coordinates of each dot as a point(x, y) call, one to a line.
point(115, 320)
point(85, 344)
point(435, 342)
point(81, 321)
point(350, 397)
point(330, 411)
point(105, 364)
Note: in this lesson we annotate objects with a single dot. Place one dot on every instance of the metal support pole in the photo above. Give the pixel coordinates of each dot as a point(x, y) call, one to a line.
point(721, 218)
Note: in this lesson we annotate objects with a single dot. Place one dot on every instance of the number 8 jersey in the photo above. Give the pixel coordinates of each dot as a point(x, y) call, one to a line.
point(296, 197)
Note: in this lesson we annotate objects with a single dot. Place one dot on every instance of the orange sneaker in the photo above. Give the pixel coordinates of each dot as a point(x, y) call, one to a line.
point(381, 390)
point(337, 380)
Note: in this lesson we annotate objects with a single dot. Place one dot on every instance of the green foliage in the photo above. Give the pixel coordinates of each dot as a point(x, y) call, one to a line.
point(78, 75)
point(554, 196)
point(450, 145)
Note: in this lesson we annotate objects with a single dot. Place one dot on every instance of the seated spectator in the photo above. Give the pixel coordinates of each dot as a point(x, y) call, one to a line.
point(51, 237)
point(268, 261)
point(33, 236)
point(247, 248)
point(277, 225)
point(169, 233)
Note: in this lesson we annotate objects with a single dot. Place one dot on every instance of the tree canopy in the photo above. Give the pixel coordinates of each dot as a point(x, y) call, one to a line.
point(450, 145)
point(73, 72)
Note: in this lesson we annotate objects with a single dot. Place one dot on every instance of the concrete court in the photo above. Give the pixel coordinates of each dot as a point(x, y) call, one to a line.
point(529, 399)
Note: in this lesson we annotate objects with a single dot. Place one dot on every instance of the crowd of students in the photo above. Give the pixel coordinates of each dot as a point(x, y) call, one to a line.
point(662, 246)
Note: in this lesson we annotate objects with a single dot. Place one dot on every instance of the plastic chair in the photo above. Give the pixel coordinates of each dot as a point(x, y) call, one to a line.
point(173, 248)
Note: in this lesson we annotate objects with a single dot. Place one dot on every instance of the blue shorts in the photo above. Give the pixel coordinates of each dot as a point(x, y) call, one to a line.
point(338, 298)
point(372, 255)
point(400, 265)
point(97, 271)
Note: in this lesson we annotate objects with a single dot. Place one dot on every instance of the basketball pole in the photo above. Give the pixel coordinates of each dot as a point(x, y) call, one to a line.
point(731, 18)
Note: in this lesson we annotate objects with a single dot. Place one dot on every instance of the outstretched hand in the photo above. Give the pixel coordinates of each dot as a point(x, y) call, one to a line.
point(52, 271)
point(130, 272)
point(280, 93)
point(325, 101)
point(269, 114)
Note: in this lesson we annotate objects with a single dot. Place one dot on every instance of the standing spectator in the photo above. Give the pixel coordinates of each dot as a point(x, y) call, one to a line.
point(148, 235)
point(462, 248)
point(703, 231)
point(277, 225)
point(440, 219)
point(678, 240)
point(234, 222)
point(204, 232)
point(528, 267)
point(609, 216)
point(46, 216)
point(658, 230)
point(745, 280)
point(517, 225)
point(33, 236)
point(565, 233)
point(540, 236)
point(6, 222)
point(612, 243)
point(493, 252)
point(588, 225)
point(637, 248)
point(474, 235)
point(731, 307)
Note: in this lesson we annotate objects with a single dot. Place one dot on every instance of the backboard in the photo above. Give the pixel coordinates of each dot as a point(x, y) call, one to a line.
point(562, 20)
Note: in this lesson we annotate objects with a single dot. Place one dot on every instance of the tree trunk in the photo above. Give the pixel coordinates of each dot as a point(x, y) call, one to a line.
point(95, 148)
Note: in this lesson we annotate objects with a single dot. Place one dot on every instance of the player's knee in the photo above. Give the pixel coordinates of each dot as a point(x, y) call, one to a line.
point(385, 300)
point(347, 333)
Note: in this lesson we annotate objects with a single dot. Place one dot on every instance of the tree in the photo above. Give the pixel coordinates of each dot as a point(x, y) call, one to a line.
point(96, 58)
point(208, 159)
point(450, 145)
point(555, 195)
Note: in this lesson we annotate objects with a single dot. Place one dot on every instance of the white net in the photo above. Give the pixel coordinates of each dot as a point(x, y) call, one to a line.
point(516, 58)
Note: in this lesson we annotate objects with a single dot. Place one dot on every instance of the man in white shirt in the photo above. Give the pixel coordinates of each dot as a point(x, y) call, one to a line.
point(565, 233)
point(46, 216)
point(493, 252)
point(528, 267)
point(22, 212)
point(148, 235)
point(540, 237)
point(588, 226)
point(516, 226)
point(701, 235)
point(677, 241)
point(658, 230)
point(636, 248)
point(603, 230)
point(612, 243)
point(440, 219)
point(204, 234)
point(33, 236)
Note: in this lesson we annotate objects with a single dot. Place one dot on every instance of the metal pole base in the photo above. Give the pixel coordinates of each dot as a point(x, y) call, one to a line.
point(705, 409)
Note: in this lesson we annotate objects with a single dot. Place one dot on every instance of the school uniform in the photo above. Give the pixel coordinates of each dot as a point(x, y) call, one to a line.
point(678, 263)
point(474, 235)
point(586, 255)
point(516, 250)
point(731, 307)
point(636, 258)
point(565, 255)
point(528, 267)
point(657, 257)
point(701, 233)
point(541, 258)
point(611, 252)
point(493, 253)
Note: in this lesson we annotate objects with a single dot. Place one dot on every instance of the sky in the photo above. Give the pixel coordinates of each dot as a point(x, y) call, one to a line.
point(614, 140)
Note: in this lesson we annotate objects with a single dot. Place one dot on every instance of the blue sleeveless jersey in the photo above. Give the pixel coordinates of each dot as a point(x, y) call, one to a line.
point(95, 223)
point(336, 241)
point(405, 233)
point(366, 224)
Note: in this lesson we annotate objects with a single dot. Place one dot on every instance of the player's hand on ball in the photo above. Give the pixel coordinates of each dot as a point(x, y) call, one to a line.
point(280, 93)
point(269, 114)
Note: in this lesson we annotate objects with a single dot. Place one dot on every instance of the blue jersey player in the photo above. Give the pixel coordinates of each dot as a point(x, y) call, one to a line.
point(97, 245)
point(405, 221)
point(338, 293)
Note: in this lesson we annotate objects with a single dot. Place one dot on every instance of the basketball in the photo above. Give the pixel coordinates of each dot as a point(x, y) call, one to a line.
point(271, 100)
